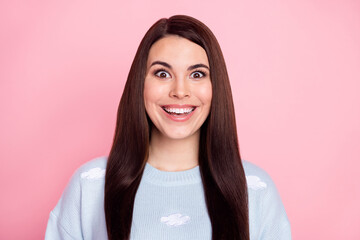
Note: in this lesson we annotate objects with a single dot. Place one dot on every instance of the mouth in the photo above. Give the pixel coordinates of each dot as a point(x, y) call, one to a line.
point(178, 111)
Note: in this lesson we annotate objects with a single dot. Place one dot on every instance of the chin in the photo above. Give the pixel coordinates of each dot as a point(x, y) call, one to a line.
point(178, 135)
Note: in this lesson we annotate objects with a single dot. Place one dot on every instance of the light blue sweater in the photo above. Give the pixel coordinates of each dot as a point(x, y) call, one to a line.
point(168, 205)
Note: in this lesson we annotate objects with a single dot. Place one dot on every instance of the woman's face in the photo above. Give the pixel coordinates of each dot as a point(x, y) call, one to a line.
point(177, 91)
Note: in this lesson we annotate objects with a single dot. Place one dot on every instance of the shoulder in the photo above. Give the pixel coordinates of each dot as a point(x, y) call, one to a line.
point(93, 169)
point(87, 172)
point(85, 181)
point(98, 162)
point(81, 199)
point(257, 178)
point(266, 209)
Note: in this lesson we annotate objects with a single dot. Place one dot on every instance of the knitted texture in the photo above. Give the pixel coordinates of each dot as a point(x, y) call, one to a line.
point(168, 205)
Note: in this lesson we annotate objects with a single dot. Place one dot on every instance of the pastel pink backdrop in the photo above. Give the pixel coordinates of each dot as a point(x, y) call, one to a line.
point(294, 70)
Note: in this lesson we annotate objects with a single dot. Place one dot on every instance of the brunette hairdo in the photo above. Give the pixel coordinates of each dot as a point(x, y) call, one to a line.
point(222, 172)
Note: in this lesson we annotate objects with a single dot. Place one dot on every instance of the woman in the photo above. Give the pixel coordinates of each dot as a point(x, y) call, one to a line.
point(174, 170)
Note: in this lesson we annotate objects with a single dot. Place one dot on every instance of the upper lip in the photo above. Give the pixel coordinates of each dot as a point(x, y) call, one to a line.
point(178, 106)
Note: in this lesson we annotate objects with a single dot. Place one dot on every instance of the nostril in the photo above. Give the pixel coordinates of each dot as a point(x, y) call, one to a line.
point(180, 93)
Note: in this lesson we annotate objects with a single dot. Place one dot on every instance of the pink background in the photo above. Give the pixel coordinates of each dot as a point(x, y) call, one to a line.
point(295, 75)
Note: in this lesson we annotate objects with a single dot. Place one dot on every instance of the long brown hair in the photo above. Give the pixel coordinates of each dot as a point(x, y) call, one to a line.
point(222, 172)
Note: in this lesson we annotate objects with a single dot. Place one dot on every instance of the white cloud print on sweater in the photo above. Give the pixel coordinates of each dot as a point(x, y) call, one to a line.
point(175, 219)
point(94, 173)
point(255, 182)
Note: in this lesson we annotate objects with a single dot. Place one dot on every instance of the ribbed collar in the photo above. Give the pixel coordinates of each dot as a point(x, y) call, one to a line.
point(165, 178)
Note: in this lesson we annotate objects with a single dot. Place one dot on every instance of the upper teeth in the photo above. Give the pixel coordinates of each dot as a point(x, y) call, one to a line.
point(179, 110)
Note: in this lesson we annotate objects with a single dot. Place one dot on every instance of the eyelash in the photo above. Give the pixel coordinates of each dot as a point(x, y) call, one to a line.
point(163, 70)
point(159, 70)
point(203, 73)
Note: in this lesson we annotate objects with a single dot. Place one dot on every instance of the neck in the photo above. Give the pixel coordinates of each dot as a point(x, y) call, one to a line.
point(173, 155)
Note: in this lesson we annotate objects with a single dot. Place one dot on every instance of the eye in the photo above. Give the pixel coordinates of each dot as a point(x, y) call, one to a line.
point(162, 73)
point(198, 74)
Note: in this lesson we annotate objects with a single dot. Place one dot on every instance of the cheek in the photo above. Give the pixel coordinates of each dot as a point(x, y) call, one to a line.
point(147, 95)
point(152, 93)
point(205, 94)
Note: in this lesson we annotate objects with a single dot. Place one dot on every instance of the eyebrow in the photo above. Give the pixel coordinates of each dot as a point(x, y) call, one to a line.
point(189, 68)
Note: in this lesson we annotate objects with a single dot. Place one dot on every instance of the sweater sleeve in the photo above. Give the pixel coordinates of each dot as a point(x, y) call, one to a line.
point(275, 223)
point(64, 221)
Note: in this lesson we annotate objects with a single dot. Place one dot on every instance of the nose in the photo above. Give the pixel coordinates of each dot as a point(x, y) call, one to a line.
point(180, 88)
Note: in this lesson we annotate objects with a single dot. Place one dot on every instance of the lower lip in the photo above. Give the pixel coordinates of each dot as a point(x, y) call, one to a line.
point(179, 118)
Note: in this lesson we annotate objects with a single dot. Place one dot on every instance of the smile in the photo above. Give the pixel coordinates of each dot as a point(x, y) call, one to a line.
point(178, 114)
point(179, 111)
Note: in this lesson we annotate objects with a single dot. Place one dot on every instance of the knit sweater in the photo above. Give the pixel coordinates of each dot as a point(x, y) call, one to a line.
point(168, 205)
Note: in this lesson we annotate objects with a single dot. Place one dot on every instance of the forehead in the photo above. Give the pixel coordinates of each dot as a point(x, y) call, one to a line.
point(177, 51)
